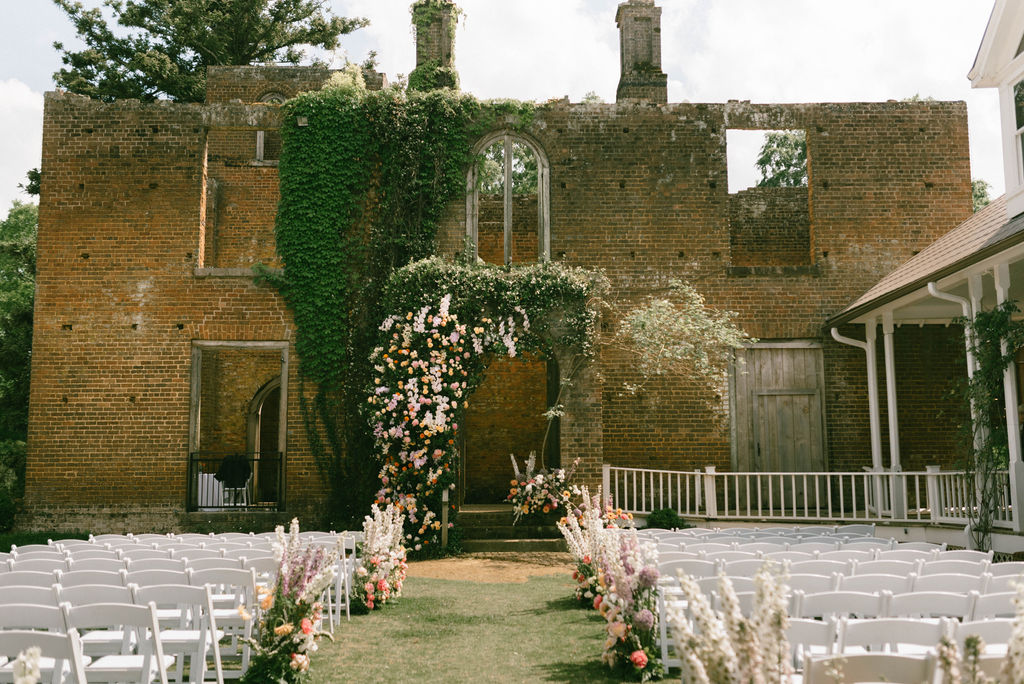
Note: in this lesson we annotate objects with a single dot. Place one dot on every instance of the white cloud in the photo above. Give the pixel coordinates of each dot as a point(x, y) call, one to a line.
point(21, 120)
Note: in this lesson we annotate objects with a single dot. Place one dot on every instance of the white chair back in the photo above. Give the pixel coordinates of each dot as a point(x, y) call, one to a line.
point(843, 604)
point(955, 583)
point(65, 648)
point(875, 582)
point(932, 604)
point(137, 625)
point(870, 667)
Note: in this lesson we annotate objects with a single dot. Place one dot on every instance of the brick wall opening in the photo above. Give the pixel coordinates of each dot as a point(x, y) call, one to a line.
point(505, 416)
point(769, 206)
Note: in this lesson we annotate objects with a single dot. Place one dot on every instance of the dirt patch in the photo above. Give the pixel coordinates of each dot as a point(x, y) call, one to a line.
point(494, 567)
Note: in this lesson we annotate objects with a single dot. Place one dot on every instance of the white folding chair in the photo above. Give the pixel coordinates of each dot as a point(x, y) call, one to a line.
point(190, 555)
point(953, 582)
point(817, 637)
point(844, 555)
point(731, 556)
point(31, 616)
point(75, 577)
point(707, 547)
point(908, 555)
point(853, 529)
point(749, 567)
point(962, 567)
point(781, 557)
point(88, 551)
point(1012, 568)
point(709, 585)
point(141, 633)
point(18, 593)
point(966, 554)
point(248, 552)
point(869, 667)
point(143, 553)
point(839, 604)
point(1001, 583)
point(765, 544)
point(60, 652)
point(694, 568)
point(210, 563)
point(110, 564)
point(894, 635)
point(37, 564)
point(883, 567)
point(229, 589)
point(165, 563)
point(196, 633)
point(818, 567)
point(995, 632)
point(30, 578)
point(932, 604)
point(866, 544)
point(34, 550)
point(994, 605)
point(97, 642)
point(811, 584)
point(920, 546)
point(897, 584)
point(145, 578)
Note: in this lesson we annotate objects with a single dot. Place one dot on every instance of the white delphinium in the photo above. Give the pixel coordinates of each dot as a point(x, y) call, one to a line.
point(770, 621)
point(745, 639)
point(687, 645)
point(949, 661)
point(713, 646)
point(1013, 666)
point(26, 666)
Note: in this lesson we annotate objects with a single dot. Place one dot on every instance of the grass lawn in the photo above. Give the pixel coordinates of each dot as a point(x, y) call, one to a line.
point(459, 631)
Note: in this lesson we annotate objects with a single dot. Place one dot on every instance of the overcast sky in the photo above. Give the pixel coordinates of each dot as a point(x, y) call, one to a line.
point(712, 51)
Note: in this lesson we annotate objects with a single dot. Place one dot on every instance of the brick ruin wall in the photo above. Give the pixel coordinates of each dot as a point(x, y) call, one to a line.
point(135, 264)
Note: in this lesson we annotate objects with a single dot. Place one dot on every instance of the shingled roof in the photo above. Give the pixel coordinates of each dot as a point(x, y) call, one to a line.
point(983, 234)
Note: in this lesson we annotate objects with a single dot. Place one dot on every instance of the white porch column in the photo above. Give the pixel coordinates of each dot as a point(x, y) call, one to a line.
point(1002, 282)
point(895, 481)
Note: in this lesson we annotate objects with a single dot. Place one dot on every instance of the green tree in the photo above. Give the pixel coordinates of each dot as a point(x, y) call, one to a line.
point(161, 48)
point(979, 193)
point(491, 170)
point(782, 160)
point(17, 291)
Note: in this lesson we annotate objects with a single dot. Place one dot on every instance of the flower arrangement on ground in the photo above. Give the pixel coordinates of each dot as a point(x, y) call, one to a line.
point(540, 492)
point(26, 666)
point(381, 567)
point(583, 527)
point(289, 611)
point(722, 647)
point(629, 603)
point(423, 376)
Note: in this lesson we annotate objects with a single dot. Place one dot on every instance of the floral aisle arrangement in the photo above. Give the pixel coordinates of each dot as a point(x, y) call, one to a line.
point(582, 529)
point(722, 647)
point(26, 666)
point(629, 603)
point(289, 611)
point(381, 570)
point(423, 376)
point(540, 492)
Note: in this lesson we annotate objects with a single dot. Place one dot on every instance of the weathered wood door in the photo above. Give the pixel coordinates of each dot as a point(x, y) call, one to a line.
point(778, 422)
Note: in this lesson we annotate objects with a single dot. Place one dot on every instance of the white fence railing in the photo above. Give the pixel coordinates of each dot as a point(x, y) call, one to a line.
point(929, 496)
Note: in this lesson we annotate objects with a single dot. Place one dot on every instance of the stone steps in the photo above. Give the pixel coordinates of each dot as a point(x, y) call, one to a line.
point(489, 528)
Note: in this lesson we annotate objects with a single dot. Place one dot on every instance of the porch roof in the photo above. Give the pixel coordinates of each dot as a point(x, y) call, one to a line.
point(983, 235)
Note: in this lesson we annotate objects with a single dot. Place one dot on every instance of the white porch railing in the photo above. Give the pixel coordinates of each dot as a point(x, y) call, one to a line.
point(929, 496)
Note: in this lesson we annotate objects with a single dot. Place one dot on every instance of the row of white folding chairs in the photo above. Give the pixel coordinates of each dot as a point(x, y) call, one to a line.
point(229, 589)
point(846, 559)
point(783, 561)
point(808, 545)
point(136, 551)
point(264, 565)
point(855, 529)
point(126, 637)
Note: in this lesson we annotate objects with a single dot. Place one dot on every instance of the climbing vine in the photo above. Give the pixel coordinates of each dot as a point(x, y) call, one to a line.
point(364, 177)
point(994, 338)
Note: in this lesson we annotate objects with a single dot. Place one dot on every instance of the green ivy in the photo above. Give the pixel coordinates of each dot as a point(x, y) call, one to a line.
point(364, 178)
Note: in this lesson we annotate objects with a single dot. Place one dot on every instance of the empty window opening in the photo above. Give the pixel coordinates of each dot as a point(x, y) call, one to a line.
point(507, 195)
point(769, 211)
point(268, 143)
point(766, 159)
point(237, 426)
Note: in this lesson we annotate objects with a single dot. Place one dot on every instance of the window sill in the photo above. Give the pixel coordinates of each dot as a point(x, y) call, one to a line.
point(241, 272)
point(783, 271)
point(264, 162)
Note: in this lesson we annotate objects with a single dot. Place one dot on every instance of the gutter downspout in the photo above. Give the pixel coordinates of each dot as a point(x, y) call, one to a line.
point(965, 306)
point(869, 350)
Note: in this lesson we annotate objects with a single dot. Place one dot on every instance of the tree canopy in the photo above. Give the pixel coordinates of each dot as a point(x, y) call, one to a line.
point(782, 160)
point(161, 48)
point(979, 194)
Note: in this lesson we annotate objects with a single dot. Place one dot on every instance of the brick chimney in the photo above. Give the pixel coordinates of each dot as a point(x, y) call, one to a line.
point(434, 23)
point(641, 79)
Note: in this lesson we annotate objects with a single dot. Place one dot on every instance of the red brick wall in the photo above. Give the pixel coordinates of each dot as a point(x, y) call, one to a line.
point(637, 191)
point(769, 227)
point(230, 378)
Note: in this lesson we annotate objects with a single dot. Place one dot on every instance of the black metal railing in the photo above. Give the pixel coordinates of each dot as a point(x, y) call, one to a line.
point(232, 481)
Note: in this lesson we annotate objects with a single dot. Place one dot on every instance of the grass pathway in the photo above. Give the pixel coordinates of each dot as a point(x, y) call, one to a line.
point(461, 631)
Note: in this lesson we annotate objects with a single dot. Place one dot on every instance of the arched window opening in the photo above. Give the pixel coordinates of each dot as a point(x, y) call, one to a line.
point(268, 143)
point(508, 219)
point(263, 440)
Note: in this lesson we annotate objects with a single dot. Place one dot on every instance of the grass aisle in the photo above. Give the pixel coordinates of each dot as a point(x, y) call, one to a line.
point(460, 631)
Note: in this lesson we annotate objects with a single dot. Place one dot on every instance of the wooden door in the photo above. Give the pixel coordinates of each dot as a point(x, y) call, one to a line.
point(778, 422)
